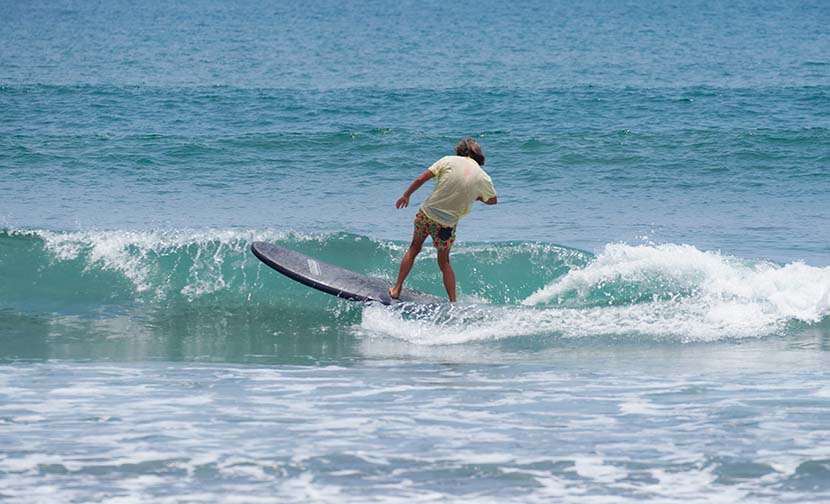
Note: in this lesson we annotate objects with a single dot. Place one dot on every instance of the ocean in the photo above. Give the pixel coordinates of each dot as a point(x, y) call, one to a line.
point(644, 316)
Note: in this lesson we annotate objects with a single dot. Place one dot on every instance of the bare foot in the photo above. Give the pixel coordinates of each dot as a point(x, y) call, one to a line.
point(393, 294)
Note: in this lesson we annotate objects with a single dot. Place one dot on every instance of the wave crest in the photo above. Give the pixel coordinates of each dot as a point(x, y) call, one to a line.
point(672, 272)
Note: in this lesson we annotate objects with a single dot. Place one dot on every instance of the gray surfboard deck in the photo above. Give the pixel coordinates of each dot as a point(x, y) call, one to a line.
point(333, 279)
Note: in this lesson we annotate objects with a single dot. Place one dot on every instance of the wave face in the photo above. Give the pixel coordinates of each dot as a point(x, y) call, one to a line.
point(509, 289)
point(64, 269)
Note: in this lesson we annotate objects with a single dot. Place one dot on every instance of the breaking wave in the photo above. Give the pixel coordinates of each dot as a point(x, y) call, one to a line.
point(509, 289)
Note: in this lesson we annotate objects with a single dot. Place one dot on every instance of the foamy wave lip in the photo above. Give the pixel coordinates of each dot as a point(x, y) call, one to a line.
point(724, 298)
point(795, 291)
point(135, 254)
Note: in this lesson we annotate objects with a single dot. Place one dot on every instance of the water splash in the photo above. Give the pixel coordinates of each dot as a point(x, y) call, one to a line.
point(665, 292)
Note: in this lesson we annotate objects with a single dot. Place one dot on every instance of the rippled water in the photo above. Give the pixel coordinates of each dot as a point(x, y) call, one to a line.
point(533, 433)
point(644, 316)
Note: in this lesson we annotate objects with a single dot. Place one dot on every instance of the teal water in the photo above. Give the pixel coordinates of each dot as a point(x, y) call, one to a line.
point(644, 316)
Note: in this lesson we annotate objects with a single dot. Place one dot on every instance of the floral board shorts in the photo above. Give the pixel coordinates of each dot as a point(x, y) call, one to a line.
point(442, 237)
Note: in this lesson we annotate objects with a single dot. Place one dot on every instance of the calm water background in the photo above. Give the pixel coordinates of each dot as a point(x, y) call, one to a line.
point(645, 315)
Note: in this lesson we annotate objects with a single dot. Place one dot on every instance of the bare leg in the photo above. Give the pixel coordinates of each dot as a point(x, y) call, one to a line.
point(406, 263)
point(449, 274)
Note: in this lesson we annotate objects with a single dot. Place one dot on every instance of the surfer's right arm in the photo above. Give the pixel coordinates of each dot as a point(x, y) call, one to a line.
point(403, 201)
point(491, 201)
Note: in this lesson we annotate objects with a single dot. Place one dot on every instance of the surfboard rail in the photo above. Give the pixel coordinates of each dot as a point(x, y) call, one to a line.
point(332, 279)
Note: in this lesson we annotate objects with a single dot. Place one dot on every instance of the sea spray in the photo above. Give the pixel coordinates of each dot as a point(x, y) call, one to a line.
point(792, 291)
point(666, 292)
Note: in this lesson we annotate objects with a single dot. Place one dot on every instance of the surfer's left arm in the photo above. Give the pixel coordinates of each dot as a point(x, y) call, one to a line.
point(403, 201)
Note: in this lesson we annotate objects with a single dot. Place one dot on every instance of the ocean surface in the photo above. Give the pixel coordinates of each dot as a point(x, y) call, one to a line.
point(644, 316)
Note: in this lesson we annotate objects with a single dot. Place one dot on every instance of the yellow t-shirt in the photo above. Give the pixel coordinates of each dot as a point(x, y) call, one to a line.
point(460, 180)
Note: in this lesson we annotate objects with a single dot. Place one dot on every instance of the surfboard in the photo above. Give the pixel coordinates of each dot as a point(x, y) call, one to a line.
point(333, 279)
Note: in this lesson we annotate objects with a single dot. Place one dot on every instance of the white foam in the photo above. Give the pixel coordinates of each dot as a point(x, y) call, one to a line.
point(640, 406)
point(716, 297)
point(794, 291)
point(595, 468)
point(823, 393)
point(684, 321)
point(136, 254)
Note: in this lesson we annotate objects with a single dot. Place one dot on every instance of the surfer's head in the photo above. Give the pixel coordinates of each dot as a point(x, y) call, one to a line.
point(470, 148)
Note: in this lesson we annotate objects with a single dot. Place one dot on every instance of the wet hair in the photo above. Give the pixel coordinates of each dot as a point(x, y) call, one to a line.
point(470, 148)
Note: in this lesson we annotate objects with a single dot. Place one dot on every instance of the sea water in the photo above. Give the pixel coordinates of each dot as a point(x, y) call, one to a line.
point(644, 316)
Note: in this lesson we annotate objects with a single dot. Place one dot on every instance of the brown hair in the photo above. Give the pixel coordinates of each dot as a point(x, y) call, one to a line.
point(470, 148)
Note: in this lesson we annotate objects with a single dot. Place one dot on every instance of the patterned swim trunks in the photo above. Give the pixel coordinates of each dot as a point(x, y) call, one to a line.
point(442, 237)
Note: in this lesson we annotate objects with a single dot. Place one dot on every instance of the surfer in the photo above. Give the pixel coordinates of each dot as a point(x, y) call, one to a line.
point(460, 182)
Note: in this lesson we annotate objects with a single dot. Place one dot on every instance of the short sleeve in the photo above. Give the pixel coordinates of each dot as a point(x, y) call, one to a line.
point(487, 190)
point(439, 167)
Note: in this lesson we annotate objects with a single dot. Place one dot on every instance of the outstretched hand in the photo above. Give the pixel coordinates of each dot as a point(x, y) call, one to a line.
point(402, 202)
